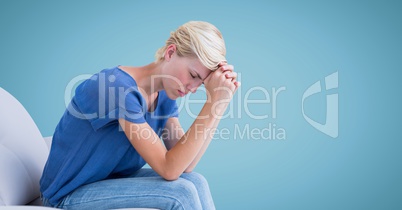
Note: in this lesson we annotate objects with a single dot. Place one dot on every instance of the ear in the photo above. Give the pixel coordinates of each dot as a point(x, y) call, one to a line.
point(170, 50)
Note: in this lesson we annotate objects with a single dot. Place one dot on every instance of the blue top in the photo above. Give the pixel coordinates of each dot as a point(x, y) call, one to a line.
point(88, 143)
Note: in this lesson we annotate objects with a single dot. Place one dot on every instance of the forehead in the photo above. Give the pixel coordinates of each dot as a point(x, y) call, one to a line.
point(196, 65)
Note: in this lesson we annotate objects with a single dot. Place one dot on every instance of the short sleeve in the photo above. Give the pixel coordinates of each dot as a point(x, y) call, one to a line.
point(102, 101)
point(131, 105)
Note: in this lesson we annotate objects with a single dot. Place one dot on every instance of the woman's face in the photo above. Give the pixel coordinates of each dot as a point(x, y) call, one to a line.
point(182, 75)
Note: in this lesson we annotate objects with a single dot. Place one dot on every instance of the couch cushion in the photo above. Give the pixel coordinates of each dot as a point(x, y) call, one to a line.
point(23, 153)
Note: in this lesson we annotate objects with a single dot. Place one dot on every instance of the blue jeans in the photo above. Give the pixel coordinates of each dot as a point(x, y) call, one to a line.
point(144, 189)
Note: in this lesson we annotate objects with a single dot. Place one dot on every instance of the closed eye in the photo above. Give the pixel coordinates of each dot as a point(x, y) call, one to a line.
point(197, 76)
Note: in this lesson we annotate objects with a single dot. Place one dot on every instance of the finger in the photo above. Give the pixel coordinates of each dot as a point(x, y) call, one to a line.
point(226, 68)
point(222, 63)
point(232, 75)
point(237, 84)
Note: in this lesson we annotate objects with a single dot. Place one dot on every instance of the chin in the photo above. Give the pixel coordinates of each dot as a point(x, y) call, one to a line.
point(171, 96)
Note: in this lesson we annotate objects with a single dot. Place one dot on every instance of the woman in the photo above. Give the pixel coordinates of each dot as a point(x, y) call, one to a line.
point(115, 121)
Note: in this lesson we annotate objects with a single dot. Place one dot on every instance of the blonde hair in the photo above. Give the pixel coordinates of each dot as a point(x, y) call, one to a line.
point(197, 39)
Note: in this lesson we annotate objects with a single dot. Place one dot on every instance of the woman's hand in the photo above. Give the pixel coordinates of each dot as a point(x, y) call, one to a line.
point(221, 84)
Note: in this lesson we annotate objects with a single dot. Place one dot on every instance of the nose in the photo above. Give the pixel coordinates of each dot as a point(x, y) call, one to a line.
point(193, 87)
point(193, 90)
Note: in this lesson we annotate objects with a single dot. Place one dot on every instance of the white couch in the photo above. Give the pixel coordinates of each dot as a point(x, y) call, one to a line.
point(23, 154)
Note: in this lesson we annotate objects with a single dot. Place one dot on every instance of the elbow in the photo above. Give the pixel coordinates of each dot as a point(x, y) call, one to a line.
point(173, 178)
point(188, 171)
point(170, 176)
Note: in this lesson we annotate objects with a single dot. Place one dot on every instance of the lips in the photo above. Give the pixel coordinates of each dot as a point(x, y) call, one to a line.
point(181, 93)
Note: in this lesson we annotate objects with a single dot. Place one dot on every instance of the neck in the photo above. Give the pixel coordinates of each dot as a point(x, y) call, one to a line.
point(145, 81)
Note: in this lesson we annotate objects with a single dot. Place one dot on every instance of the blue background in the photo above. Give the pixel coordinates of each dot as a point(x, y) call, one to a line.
point(292, 44)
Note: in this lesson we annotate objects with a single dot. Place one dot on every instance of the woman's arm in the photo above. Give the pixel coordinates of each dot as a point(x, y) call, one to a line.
point(171, 164)
point(173, 132)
